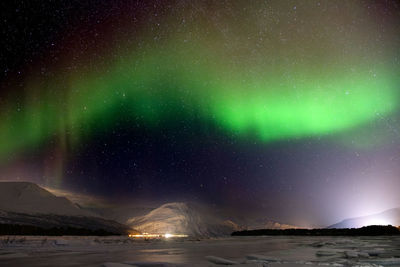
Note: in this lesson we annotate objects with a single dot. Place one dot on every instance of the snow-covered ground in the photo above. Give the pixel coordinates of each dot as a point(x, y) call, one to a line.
point(245, 251)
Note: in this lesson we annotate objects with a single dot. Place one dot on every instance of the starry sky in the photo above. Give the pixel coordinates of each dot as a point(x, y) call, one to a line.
point(283, 109)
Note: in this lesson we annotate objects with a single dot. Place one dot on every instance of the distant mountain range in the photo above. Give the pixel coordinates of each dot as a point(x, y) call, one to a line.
point(387, 217)
point(25, 203)
point(264, 223)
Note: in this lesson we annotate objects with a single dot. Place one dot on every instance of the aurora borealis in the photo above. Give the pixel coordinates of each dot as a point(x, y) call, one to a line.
point(191, 93)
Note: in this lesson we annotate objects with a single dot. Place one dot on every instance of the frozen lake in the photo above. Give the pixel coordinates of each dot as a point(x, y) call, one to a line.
point(273, 251)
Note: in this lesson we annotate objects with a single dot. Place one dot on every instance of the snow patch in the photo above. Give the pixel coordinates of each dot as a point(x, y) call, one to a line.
point(220, 261)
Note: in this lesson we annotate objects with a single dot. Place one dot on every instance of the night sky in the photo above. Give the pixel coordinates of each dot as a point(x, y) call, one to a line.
point(284, 109)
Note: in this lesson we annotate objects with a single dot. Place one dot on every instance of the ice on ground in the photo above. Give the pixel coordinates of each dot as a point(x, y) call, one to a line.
point(9, 255)
point(271, 251)
point(363, 255)
point(325, 253)
point(290, 265)
point(153, 264)
point(386, 262)
point(115, 264)
point(351, 254)
point(322, 244)
point(61, 242)
point(261, 258)
point(376, 252)
point(220, 261)
point(254, 264)
point(366, 265)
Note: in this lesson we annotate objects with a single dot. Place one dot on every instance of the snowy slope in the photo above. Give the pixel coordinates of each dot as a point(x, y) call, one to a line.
point(26, 197)
point(182, 218)
point(28, 204)
point(391, 216)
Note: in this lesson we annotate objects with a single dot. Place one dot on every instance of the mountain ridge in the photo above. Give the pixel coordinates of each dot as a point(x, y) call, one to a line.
point(182, 218)
point(387, 217)
point(26, 203)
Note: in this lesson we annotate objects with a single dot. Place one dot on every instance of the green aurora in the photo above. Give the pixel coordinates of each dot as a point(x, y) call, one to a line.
point(281, 95)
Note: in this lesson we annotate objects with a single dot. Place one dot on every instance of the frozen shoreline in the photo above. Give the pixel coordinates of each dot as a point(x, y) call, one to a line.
point(247, 251)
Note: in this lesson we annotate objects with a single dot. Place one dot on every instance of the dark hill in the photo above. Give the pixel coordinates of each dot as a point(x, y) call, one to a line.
point(373, 230)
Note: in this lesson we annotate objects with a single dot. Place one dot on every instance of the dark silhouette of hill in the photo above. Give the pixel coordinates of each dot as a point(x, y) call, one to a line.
point(26, 208)
point(373, 230)
point(17, 229)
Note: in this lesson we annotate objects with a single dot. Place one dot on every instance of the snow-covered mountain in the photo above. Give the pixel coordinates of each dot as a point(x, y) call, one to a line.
point(29, 204)
point(391, 216)
point(26, 203)
point(182, 218)
point(26, 197)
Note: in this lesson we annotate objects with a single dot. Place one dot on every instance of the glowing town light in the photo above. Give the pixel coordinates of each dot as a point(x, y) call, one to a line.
point(147, 235)
point(168, 235)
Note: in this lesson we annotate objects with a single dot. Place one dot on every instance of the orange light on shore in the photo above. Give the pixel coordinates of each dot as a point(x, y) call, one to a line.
point(147, 235)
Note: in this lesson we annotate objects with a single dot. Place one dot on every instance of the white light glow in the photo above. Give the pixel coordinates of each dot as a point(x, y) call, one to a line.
point(376, 221)
point(148, 235)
